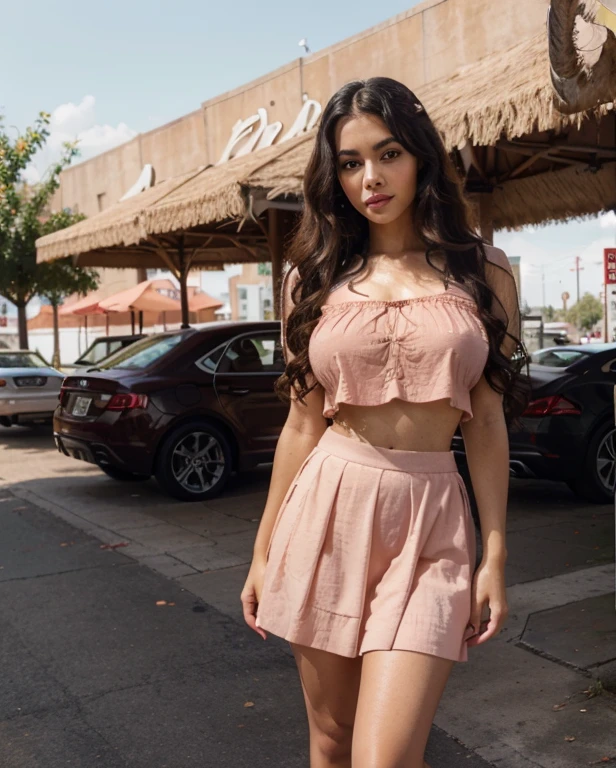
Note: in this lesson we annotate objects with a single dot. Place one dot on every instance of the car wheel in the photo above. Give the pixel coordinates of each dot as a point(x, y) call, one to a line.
point(194, 462)
point(122, 474)
point(597, 481)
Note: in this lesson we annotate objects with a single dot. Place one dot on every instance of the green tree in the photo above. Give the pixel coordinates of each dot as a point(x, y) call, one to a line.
point(24, 216)
point(585, 313)
point(549, 313)
point(525, 309)
point(58, 279)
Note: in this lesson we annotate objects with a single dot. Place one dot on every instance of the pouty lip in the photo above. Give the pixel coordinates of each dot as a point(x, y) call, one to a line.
point(377, 198)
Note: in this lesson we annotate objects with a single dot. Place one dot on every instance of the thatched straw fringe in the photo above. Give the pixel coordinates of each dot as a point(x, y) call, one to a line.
point(220, 193)
point(572, 193)
point(121, 224)
point(507, 94)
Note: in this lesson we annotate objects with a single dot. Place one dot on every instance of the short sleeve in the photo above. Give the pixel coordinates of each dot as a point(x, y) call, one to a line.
point(289, 281)
point(506, 306)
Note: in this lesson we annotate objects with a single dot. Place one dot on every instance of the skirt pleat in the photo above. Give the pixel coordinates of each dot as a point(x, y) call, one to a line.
point(369, 554)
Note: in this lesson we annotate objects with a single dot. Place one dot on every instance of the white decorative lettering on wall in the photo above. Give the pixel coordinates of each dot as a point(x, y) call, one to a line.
point(255, 132)
point(147, 178)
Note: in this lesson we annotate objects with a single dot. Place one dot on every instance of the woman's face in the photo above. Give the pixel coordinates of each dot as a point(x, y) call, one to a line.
point(377, 174)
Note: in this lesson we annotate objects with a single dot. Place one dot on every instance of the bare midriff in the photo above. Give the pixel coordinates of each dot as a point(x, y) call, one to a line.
point(399, 424)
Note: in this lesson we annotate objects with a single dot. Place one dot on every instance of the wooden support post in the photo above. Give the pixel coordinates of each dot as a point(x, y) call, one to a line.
point(482, 203)
point(274, 234)
point(183, 268)
point(486, 217)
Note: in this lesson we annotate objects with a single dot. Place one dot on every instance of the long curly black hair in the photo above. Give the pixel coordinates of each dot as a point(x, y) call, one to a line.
point(330, 235)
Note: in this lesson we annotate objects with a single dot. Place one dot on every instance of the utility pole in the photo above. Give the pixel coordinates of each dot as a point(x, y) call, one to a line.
point(543, 285)
point(577, 269)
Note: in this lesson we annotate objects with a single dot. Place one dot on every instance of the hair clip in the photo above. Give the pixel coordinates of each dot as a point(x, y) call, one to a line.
point(418, 107)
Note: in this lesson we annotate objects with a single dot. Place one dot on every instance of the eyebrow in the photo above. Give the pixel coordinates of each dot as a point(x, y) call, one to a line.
point(376, 147)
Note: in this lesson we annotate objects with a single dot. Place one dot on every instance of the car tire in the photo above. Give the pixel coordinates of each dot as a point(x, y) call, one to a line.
point(194, 462)
point(600, 463)
point(123, 475)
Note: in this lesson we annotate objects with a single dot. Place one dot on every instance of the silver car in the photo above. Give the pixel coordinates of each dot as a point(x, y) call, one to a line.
point(29, 388)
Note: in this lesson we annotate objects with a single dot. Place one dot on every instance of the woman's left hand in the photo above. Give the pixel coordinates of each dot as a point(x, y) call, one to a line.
point(488, 590)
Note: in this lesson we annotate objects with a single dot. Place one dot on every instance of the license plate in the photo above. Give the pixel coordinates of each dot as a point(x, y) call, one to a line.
point(81, 405)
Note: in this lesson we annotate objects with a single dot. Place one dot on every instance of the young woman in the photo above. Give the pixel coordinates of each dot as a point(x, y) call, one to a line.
point(399, 324)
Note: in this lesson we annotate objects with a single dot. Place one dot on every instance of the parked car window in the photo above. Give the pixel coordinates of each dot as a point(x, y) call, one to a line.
point(253, 354)
point(21, 360)
point(209, 362)
point(557, 358)
point(142, 353)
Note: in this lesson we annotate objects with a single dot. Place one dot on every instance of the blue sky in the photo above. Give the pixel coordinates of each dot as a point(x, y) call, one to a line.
point(110, 70)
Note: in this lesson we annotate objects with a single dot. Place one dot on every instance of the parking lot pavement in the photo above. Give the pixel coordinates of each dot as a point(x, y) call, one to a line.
point(560, 554)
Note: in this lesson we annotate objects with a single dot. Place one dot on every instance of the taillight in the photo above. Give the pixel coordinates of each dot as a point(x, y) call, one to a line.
point(127, 402)
point(2, 382)
point(556, 405)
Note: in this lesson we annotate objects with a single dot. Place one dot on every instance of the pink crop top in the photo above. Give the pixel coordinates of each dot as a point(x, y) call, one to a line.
point(368, 352)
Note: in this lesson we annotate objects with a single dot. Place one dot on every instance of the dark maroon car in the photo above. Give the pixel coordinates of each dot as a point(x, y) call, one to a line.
point(188, 407)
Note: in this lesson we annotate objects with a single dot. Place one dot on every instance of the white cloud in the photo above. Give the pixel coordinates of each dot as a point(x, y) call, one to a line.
point(607, 220)
point(70, 122)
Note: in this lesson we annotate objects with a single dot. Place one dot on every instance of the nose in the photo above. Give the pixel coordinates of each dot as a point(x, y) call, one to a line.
point(372, 177)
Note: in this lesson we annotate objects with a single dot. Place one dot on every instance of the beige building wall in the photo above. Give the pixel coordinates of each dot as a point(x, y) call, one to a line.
point(278, 92)
point(428, 42)
point(176, 147)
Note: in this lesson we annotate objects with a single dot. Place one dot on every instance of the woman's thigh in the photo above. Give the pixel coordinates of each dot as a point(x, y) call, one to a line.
point(331, 686)
point(398, 698)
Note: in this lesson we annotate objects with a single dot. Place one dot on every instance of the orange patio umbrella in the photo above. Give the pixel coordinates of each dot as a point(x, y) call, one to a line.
point(141, 298)
point(88, 305)
point(199, 301)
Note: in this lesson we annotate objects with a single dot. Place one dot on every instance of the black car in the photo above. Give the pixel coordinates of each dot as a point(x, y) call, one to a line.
point(186, 406)
point(567, 432)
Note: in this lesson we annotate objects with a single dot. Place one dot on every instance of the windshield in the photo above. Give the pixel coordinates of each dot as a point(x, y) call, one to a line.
point(21, 360)
point(557, 358)
point(142, 353)
point(98, 351)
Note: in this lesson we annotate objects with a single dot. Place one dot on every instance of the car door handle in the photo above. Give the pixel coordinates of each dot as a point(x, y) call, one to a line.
point(239, 390)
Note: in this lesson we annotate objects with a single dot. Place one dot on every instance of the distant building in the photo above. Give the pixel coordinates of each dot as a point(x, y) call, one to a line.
point(250, 293)
point(515, 268)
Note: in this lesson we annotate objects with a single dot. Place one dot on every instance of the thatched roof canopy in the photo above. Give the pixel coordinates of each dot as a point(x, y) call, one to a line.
point(508, 94)
point(496, 116)
point(208, 195)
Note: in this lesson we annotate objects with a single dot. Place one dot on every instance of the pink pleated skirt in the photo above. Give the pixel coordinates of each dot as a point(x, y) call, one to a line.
point(373, 549)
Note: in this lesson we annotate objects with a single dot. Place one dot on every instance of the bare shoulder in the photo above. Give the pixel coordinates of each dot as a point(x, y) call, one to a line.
point(498, 257)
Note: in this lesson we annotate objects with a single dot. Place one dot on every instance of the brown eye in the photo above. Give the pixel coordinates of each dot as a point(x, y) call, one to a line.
point(391, 154)
point(347, 166)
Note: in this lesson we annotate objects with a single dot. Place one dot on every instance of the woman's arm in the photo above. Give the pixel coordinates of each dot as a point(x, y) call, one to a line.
point(302, 430)
point(486, 444)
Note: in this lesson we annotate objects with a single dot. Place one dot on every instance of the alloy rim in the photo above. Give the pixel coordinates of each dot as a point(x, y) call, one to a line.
point(198, 462)
point(606, 461)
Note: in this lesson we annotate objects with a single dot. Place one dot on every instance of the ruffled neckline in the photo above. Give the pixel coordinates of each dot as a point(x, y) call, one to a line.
point(441, 296)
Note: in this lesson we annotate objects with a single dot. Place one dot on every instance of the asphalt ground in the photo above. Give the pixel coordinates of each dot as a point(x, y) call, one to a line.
point(97, 673)
point(94, 667)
